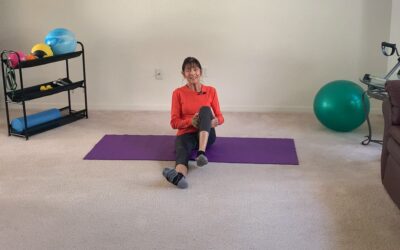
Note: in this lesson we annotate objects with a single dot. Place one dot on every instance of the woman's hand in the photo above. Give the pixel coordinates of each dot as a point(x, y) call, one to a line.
point(214, 122)
point(195, 120)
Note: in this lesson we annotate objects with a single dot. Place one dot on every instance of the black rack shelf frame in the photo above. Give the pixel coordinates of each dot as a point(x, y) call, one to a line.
point(25, 94)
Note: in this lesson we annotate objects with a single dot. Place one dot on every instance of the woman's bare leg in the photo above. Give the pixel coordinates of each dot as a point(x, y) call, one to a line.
point(180, 168)
point(203, 139)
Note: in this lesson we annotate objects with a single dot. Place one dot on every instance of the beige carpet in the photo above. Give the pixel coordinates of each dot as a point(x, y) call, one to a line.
point(52, 199)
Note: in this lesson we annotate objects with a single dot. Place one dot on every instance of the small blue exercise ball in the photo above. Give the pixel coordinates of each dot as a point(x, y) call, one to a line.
point(339, 106)
point(61, 41)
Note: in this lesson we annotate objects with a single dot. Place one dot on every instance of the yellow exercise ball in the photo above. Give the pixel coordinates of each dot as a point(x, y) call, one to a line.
point(41, 50)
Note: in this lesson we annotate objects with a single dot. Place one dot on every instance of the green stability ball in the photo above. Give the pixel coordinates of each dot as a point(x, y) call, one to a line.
point(339, 105)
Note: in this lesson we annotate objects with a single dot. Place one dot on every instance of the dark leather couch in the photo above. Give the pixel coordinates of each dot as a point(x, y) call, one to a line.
point(390, 160)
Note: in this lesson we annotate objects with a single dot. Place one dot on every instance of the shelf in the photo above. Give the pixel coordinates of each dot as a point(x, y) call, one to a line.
point(34, 92)
point(373, 82)
point(22, 94)
point(46, 60)
point(74, 116)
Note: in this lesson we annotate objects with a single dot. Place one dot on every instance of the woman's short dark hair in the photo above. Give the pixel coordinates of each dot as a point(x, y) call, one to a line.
point(191, 62)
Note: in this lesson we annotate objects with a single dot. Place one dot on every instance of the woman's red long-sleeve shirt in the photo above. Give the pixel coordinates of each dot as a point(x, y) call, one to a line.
point(187, 102)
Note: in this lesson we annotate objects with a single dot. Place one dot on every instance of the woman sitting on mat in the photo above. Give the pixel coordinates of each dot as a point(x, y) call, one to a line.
point(195, 113)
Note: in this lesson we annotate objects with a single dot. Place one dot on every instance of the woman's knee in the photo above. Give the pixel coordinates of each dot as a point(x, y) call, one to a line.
point(205, 111)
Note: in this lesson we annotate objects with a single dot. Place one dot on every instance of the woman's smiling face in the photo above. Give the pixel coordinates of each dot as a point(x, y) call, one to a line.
point(192, 74)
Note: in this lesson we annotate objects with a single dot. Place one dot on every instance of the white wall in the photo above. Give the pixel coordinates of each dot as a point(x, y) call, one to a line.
point(261, 55)
point(394, 32)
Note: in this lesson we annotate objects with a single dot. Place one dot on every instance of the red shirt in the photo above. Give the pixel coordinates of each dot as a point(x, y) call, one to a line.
point(187, 102)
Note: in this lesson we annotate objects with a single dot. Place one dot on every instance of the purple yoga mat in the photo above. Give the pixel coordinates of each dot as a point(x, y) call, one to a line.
point(225, 149)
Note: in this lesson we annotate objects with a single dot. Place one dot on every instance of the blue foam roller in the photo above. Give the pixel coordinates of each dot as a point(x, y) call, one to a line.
point(35, 119)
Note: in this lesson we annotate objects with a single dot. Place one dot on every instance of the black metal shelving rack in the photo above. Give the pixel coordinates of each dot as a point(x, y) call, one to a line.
point(23, 95)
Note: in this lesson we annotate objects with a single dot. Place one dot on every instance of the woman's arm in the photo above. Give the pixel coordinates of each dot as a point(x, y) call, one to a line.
point(176, 113)
point(217, 111)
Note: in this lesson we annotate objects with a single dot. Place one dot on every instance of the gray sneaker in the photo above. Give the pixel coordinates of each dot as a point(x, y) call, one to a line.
point(201, 160)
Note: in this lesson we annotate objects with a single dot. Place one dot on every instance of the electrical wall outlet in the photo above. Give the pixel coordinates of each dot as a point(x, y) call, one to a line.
point(158, 74)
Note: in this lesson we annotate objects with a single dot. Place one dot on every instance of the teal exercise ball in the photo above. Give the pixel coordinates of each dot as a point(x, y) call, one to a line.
point(339, 106)
point(61, 41)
